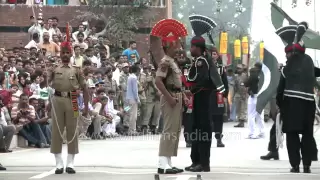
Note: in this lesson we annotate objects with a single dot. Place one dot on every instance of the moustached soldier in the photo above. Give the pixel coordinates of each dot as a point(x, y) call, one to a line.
point(168, 81)
point(68, 81)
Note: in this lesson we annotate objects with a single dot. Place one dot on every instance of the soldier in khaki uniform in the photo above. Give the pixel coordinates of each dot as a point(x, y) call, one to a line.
point(123, 91)
point(168, 81)
point(152, 114)
point(241, 95)
point(143, 100)
point(111, 84)
point(67, 81)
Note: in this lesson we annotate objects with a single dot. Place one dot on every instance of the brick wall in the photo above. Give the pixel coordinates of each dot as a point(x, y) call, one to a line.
point(18, 16)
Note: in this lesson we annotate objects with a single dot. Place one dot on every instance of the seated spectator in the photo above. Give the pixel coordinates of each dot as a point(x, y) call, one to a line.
point(98, 95)
point(7, 95)
point(6, 132)
point(101, 117)
point(41, 118)
point(23, 116)
point(109, 129)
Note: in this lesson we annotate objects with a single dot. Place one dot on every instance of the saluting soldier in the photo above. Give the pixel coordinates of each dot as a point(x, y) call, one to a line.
point(220, 110)
point(168, 81)
point(152, 114)
point(67, 82)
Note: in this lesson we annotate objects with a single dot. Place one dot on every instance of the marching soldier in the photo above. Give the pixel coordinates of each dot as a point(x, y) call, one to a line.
point(207, 89)
point(241, 96)
point(168, 81)
point(67, 81)
point(220, 109)
point(295, 98)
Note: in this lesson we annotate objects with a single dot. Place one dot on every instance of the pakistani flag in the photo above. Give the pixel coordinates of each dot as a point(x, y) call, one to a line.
point(273, 54)
point(311, 38)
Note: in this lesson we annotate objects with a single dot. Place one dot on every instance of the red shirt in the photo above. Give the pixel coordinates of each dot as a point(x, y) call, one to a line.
point(27, 91)
point(6, 97)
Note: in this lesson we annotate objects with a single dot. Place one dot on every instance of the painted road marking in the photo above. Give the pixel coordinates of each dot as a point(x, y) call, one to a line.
point(48, 173)
point(42, 175)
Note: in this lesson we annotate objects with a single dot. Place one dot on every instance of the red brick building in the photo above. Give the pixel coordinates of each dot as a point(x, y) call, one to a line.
point(15, 21)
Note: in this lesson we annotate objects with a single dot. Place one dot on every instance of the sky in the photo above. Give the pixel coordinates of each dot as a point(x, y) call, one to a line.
point(300, 13)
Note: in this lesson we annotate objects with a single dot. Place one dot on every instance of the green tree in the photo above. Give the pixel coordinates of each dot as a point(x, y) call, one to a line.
point(121, 18)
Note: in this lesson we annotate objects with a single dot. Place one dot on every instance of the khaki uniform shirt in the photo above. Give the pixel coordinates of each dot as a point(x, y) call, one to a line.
point(141, 87)
point(169, 70)
point(240, 90)
point(66, 78)
point(151, 90)
point(113, 86)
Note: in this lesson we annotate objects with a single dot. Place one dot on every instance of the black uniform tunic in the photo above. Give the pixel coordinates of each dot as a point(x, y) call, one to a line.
point(201, 130)
point(297, 107)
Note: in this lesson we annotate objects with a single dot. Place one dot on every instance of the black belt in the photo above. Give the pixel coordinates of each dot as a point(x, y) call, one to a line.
point(62, 94)
point(175, 90)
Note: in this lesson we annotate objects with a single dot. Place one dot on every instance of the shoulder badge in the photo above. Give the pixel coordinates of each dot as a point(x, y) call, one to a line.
point(199, 63)
point(163, 67)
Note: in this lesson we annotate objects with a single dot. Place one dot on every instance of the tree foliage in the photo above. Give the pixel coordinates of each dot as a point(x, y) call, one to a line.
point(120, 17)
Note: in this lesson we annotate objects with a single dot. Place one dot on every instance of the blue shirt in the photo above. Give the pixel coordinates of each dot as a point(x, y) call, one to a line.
point(132, 88)
point(132, 55)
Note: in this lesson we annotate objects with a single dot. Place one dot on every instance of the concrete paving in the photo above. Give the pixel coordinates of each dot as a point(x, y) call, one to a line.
point(136, 158)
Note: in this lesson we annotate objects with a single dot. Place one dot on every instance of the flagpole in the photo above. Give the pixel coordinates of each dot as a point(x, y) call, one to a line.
point(315, 28)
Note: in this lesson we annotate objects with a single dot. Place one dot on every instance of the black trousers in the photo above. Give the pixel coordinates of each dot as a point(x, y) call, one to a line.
point(294, 145)
point(273, 139)
point(217, 124)
point(201, 136)
point(187, 124)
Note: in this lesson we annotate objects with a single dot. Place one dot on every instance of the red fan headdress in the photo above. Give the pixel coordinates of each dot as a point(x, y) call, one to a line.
point(67, 44)
point(169, 30)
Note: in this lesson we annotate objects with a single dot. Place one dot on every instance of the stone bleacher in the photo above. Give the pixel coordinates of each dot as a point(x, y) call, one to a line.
point(18, 141)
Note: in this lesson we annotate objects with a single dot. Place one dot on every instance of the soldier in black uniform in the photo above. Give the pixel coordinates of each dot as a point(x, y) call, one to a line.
point(206, 85)
point(295, 98)
point(219, 108)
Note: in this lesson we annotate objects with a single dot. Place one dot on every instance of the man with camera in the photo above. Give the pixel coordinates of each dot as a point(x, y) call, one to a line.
point(23, 116)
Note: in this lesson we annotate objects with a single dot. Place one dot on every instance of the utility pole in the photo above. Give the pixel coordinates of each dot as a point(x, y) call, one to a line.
point(315, 28)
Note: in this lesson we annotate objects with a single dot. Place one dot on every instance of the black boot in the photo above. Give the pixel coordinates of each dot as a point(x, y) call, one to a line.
point(144, 130)
point(306, 169)
point(219, 140)
point(295, 169)
point(240, 124)
point(270, 155)
point(153, 129)
point(189, 167)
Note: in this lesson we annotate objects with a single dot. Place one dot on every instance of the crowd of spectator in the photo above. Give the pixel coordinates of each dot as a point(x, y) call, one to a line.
point(123, 97)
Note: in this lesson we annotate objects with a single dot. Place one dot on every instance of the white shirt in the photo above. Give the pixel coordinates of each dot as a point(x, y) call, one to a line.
point(3, 120)
point(109, 108)
point(95, 60)
point(31, 44)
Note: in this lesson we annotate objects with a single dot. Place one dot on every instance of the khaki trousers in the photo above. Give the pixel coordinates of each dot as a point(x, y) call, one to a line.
point(152, 111)
point(133, 115)
point(172, 118)
point(65, 119)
